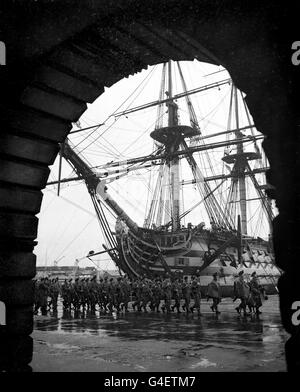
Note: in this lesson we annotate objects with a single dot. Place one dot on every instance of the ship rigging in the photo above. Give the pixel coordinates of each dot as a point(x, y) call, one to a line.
point(164, 243)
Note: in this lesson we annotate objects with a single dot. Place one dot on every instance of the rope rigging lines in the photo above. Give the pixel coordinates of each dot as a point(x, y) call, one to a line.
point(200, 159)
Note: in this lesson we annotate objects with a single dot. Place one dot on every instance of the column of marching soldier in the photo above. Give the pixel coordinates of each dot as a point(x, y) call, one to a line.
point(158, 294)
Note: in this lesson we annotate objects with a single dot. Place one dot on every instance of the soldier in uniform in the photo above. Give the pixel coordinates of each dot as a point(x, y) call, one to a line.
point(196, 293)
point(118, 294)
point(136, 291)
point(145, 294)
point(93, 293)
point(71, 292)
point(241, 290)
point(177, 293)
point(86, 299)
point(76, 294)
point(65, 293)
point(54, 292)
point(151, 284)
point(186, 293)
point(42, 297)
point(100, 295)
point(167, 291)
point(214, 292)
point(255, 292)
point(111, 294)
point(125, 287)
point(157, 294)
point(50, 284)
point(105, 290)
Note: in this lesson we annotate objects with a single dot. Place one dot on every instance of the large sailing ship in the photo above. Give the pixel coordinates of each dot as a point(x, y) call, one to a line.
point(166, 243)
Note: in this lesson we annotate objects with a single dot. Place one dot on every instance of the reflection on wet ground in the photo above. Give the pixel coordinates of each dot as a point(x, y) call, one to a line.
point(161, 342)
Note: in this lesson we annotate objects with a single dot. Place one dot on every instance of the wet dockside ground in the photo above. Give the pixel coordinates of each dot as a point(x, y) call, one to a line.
point(154, 342)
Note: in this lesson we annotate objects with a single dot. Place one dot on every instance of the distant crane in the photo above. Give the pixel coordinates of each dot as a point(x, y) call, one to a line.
point(55, 262)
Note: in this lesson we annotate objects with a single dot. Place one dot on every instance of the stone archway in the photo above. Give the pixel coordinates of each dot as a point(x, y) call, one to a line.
point(49, 80)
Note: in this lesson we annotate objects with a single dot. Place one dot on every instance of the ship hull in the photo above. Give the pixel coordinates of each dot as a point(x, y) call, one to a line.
point(185, 253)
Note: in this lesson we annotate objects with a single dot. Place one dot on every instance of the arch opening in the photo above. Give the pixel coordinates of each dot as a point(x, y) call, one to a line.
point(105, 133)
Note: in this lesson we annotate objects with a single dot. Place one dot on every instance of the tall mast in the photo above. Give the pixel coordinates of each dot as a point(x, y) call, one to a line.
point(240, 167)
point(239, 161)
point(173, 138)
point(174, 162)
